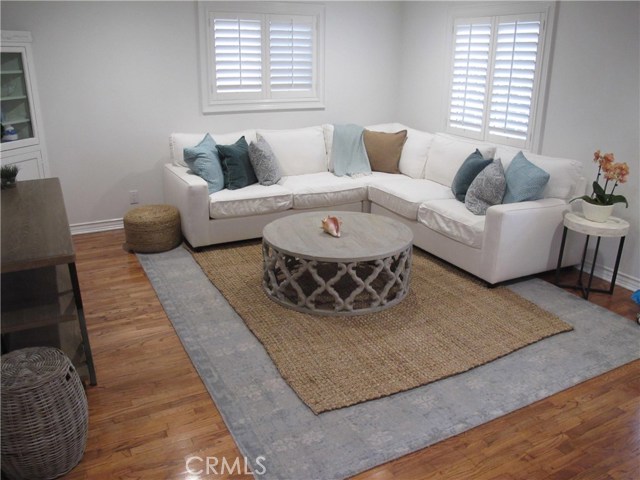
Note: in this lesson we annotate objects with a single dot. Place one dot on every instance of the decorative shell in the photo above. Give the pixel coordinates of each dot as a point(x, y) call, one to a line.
point(331, 225)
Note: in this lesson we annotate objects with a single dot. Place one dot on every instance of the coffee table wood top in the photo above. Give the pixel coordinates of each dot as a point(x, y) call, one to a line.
point(363, 237)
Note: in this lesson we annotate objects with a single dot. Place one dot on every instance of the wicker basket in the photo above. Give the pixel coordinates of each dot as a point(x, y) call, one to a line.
point(44, 414)
point(152, 228)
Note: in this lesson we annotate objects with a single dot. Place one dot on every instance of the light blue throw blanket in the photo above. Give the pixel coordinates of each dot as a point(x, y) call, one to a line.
point(348, 154)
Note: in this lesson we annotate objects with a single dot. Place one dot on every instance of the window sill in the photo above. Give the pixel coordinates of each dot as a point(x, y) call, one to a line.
point(271, 106)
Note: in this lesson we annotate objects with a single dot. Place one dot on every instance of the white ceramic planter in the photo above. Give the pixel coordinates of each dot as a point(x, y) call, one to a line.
point(596, 213)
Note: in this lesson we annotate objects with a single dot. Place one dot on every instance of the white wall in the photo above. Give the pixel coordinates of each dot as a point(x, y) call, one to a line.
point(116, 78)
point(593, 96)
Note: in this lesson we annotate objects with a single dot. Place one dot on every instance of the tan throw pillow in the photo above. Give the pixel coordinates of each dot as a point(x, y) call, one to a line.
point(384, 149)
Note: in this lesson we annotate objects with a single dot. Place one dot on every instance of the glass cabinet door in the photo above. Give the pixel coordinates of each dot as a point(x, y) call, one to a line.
point(15, 102)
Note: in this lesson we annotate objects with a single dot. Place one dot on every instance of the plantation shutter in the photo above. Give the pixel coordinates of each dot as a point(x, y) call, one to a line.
point(514, 76)
point(291, 53)
point(237, 45)
point(470, 72)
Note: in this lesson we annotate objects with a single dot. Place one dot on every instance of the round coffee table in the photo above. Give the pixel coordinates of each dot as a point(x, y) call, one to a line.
point(365, 270)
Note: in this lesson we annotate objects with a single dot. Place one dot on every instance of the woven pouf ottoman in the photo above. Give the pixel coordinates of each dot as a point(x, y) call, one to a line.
point(44, 414)
point(152, 228)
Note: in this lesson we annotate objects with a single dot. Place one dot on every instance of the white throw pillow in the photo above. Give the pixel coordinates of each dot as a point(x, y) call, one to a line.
point(298, 151)
point(564, 173)
point(327, 130)
point(179, 141)
point(415, 152)
point(447, 154)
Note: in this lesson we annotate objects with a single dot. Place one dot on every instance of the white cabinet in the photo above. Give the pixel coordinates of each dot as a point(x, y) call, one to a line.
point(22, 139)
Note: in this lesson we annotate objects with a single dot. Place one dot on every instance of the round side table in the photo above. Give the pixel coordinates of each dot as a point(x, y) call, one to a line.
point(613, 227)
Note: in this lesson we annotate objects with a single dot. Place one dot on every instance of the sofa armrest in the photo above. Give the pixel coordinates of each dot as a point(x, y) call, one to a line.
point(189, 193)
point(523, 238)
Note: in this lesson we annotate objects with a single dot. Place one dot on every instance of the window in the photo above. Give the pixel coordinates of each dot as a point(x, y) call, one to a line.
point(263, 58)
point(496, 77)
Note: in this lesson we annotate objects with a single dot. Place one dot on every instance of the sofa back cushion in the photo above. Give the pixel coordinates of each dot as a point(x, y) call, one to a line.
point(298, 151)
point(415, 149)
point(448, 153)
point(179, 141)
point(565, 174)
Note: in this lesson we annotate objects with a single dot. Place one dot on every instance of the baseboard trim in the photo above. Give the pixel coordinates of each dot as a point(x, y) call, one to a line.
point(606, 273)
point(99, 226)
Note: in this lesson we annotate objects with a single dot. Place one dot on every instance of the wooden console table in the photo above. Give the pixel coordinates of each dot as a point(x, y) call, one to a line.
point(36, 234)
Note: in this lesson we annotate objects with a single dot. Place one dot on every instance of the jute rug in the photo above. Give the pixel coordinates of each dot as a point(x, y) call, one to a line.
point(448, 323)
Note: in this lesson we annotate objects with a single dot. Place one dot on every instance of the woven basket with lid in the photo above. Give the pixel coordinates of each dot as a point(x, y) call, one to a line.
point(44, 414)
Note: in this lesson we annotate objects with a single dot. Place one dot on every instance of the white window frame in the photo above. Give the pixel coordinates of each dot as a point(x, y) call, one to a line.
point(547, 12)
point(266, 100)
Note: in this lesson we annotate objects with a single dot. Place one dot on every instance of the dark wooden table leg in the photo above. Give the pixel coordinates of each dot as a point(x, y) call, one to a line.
point(593, 267)
point(83, 324)
point(564, 239)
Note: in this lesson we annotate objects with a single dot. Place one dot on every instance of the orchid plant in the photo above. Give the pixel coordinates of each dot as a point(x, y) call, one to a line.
point(612, 172)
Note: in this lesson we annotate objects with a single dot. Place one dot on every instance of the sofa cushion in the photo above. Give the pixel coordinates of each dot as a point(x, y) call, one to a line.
point(487, 189)
point(203, 160)
point(447, 154)
point(564, 173)
point(404, 195)
point(255, 199)
point(415, 152)
point(378, 178)
point(468, 171)
point(179, 141)
point(525, 181)
point(384, 149)
point(323, 189)
point(452, 219)
point(238, 172)
point(327, 132)
point(299, 151)
point(264, 162)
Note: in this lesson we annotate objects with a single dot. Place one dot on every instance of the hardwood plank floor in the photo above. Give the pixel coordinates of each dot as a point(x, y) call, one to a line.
point(151, 412)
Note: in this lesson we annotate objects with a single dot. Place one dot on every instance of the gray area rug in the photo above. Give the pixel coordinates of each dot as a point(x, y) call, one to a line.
point(268, 420)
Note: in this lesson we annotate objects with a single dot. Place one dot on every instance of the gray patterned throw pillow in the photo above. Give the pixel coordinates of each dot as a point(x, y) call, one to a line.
point(487, 189)
point(264, 162)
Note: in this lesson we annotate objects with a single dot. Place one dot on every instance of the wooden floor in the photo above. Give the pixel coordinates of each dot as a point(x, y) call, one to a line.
point(150, 411)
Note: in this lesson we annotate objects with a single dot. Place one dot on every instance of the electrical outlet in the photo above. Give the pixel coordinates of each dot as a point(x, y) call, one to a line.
point(133, 197)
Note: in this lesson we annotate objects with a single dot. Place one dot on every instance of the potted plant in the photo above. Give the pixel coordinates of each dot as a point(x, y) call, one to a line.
point(8, 174)
point(599, 205)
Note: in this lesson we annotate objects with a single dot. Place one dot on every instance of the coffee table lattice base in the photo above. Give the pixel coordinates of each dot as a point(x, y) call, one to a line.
point(335, 288)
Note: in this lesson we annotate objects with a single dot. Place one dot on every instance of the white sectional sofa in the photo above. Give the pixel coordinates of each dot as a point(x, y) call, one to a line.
point(510, 241)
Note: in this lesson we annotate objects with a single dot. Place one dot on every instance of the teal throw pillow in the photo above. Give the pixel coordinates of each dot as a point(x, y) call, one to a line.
point(467, 172)
point(203, 160)
point(238, 172)
point(525, 181)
